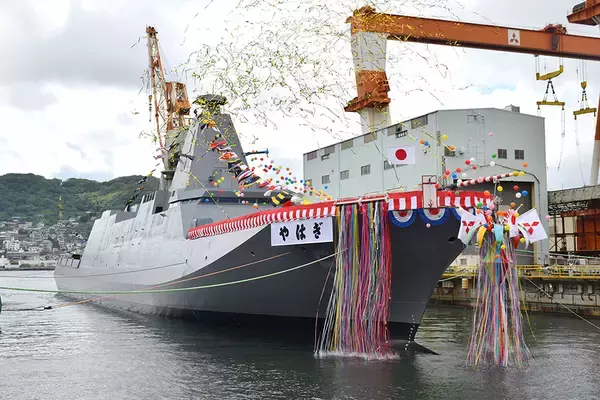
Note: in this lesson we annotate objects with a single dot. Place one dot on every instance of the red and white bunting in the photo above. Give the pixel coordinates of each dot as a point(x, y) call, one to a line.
point(486, 179)
point(261, 218)
point(396, 202)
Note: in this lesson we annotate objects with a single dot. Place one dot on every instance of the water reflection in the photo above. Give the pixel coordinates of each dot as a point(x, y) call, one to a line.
point(88, 352)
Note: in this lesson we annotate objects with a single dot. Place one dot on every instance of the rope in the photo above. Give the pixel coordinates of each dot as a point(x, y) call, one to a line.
point(568, 309)
point(34, 290)
point(181, 280)
point(94, 275)
point(129, 272)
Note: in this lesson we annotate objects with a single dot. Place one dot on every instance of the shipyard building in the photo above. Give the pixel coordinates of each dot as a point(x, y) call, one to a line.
point(506, 137)
point(575, 222)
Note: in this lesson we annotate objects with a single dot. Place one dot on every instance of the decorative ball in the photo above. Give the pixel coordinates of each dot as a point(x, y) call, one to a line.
point(491, 134)
point(459, 170)
point(457, 193)
point(468, 162)
point(506, 228)
point(500, 188)
point(518, 195)
point(486, 193)
point(525, 165)
point(428, 225)
point(255, 205)
point(492, 164)
point(472, 159)
point(474, 167)
point(503, 247)
point(521, 173)
point(422, 141)
point(494, 155)
point(547, 217)
point(524, 193)
point(444, 137)
point(447, 172)
point(522, 240)
point(515, 188)
point(513, 204)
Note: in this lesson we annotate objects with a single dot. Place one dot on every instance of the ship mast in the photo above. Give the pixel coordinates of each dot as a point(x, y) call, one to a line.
point(171, 105)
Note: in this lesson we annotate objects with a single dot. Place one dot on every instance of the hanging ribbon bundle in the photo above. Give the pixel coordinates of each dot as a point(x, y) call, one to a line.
point(359, 306)
point(497, 338)
point(497, 332)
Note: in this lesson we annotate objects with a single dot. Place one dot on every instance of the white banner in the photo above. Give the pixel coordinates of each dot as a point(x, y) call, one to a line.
point(304, 231)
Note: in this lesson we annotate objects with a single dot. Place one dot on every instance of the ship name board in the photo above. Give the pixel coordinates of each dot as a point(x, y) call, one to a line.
point(304, 231)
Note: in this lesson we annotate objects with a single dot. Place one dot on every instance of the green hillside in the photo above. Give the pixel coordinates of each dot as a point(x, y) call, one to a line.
point(35, 198)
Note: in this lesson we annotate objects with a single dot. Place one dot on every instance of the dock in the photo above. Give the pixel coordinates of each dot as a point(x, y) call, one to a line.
point(545, 288)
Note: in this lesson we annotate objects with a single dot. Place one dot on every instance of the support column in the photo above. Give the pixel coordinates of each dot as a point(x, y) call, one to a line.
point(596, 153)
point(369, 51)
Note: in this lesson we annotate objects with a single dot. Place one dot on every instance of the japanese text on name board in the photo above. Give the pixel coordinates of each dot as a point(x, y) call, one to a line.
point(318, 230)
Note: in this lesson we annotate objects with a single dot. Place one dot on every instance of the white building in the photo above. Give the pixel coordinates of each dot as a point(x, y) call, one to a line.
point(12, 245)
point(359, 165)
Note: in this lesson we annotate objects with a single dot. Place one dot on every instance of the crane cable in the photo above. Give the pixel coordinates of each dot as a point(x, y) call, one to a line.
point(549, 86)
point(581, 65)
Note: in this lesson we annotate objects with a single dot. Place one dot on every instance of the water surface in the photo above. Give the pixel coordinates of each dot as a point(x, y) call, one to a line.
point(89, 352)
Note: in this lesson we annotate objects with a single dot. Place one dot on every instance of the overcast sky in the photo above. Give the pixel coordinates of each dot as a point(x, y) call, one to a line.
point(70, 82)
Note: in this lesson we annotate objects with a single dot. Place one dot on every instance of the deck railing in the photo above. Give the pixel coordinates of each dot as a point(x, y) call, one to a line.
point(585, 272)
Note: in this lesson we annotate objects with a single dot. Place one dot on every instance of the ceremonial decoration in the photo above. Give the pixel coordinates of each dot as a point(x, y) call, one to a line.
point(246, 176)
point(139, 190)
point(359, 306)
point(497, 334)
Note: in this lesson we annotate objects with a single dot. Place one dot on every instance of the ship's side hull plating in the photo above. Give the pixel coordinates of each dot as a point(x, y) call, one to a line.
point(229, 288)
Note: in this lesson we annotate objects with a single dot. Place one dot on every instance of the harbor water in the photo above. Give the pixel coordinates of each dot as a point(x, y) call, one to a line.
point(84, 351)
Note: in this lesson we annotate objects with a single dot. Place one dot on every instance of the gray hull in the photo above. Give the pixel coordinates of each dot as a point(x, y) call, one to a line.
point(420, 255)
point(146, 247)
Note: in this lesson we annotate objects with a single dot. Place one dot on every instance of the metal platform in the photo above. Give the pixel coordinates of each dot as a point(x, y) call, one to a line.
point(567, 272)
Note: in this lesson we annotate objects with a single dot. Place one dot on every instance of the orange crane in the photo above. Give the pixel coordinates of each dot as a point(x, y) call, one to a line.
point(371, 30)
point(171, 103)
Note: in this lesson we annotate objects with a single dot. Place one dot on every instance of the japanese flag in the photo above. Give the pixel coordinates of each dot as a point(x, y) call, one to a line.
point(530, 221)
point(401, 155)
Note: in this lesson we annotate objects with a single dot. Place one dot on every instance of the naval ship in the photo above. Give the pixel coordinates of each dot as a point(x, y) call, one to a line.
point(193, 234)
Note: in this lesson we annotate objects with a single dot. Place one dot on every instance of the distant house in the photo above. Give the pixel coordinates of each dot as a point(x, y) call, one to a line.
point(46, 245)
point(12, 245)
